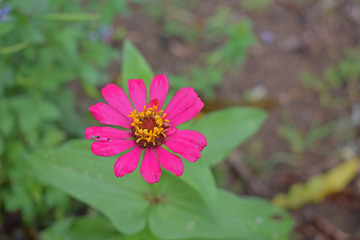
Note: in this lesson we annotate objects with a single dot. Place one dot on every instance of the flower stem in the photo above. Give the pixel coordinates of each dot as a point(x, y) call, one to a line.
point(154, 191)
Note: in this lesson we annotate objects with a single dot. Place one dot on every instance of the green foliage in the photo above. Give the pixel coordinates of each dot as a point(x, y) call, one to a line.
point(233, 126)
point(134, 66)
point(189, 207)
point(227, 57)
point(45, 45)
point(299, 142)
point(175, 17)
point(256, 5)
point(319, 186)
point(85, 228)
point(172, 208)
point(26, 124)
point(232, 41)
point(347, 70)
point(344, 74)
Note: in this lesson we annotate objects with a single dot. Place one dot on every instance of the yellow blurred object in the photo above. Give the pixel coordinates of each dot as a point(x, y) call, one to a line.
point(319, 186)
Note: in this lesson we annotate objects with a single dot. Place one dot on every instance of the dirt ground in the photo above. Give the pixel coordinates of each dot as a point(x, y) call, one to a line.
point(304, 37)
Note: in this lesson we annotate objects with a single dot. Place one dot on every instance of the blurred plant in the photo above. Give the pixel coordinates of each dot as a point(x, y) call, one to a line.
point(300, 142)
point(347, 71)
point(226, 58)
point(345, 74)
point(44, 45)
point(256, 5)
point(233, 42)
point(175, 17)
point(320, 186)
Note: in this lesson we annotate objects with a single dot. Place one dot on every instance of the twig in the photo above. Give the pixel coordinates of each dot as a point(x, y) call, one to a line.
point(330, 230)
point(234, 160)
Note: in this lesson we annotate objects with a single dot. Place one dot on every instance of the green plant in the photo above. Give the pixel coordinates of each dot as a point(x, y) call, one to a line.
point(255, 5)
point(175, 18)
point(45, 46)
point(224, 59)
point(343, 75)
point(189, 207)
point(300, 142)
point(346, 71)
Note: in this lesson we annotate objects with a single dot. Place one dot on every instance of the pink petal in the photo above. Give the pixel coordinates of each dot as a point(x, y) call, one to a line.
point(152, 103)
point(110, 148)
point(159, 89)
point(171, 130)
point(150, 167)
point(182, 100)
point(117, 98)
point(191, 136)
point(128, 162)
point(137, 92)
point(108, 115)
point(187, 114)
point(170, 161)
point(106, 133)
point(186, 149)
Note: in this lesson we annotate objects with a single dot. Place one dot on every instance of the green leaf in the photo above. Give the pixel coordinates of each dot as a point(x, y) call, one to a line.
point(171, 207)
point(84, 228)
point(199, 176)
point(93, 227)
point(7, 123)
point(237, 218)
point(26, 112)
point(89, 74)
point(227, 129)
point(13, 48)
point(256, 5)
point(292, 135)
point(2, 145)
point(75, 170)
point(30, 7)
point(52, 136)
point(7, 26)
point(134, 66)
point(49, 111)
point(72, 124)
point(70, 17)
point(33, 34)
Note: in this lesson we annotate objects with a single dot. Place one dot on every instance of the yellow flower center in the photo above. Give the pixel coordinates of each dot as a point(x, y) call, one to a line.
point(149, 126)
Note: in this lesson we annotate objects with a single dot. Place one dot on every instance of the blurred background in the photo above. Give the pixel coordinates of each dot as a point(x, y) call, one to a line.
point(298, 60)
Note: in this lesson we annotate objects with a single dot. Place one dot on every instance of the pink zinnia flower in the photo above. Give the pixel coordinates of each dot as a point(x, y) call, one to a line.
point(149, 128)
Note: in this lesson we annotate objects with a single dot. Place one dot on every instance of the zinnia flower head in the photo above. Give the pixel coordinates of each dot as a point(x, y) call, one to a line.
point(149, 128)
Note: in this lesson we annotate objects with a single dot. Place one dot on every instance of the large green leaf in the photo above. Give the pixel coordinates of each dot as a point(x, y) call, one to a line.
point(134, 66)
point(89, 178)
point(227, 129)
point(237, 218)
point(75, 170)
point(199, 176)
point(93, 227)
point(173, 208)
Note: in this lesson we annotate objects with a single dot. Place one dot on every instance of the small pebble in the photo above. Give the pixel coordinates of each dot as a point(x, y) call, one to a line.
point(266, 36)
